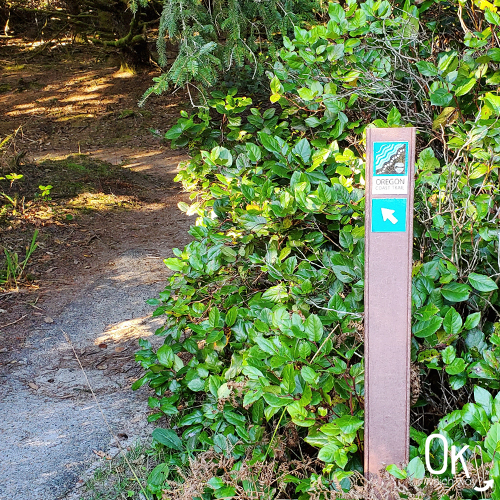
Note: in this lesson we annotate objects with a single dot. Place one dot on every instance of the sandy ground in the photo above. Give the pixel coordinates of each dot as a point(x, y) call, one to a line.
point(51, 426)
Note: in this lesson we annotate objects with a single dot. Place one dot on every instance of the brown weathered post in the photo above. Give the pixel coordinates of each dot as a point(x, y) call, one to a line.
point(390, 154)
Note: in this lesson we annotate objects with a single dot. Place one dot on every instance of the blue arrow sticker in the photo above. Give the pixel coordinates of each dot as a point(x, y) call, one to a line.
point(389, 215)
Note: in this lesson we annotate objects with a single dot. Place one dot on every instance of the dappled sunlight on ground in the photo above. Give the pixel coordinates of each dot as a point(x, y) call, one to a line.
point(129, 330)
point(80, 103)
point(48, 96)
point(142, 160)
point(75, 98)
point(140, 272)
point(124, 73)
point(101, 201)
point(75, 125)
point(157, 161)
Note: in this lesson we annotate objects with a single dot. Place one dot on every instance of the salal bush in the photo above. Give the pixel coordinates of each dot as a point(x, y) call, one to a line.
point(263, 349)
point(265, 305)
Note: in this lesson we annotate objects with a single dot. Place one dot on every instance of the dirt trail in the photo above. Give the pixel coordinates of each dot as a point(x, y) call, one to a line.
point(92, 284)
point(50, 423)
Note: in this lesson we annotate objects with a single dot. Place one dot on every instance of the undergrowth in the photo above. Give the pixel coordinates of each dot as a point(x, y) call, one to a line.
point(113, 479)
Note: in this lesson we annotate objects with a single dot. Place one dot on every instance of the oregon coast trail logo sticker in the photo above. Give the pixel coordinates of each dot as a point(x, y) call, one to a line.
point(390, 168)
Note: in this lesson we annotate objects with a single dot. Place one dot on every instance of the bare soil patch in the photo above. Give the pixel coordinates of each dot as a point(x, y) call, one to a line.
point(75, 98)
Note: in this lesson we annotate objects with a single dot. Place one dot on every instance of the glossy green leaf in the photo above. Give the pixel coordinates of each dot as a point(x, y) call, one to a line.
point(195, 417)
point(327, 453)
point(441, 97)
point(309, 375)
point(168, 438)
point(306, 397)
point(306, 94)
point(465, 88)
point(252, 372)
point(288, 379)
point(452, 322)
point(313, 328)
point(174, 264)
point(275, 85)
point(457, 366)
point(449, 355)
point(422, 329)
point(231, 316)
point(227, 492)
point(455, 292)
point(492, 441)
point(254, 152)
point(277, 401)
point(348, 424)
point(416, 468)
point(251, 397)
point(216, 483)
point(482, 283)
point(303, 149)
point(395, 471)
point(427, 68)
point(165, 356)
point(484, 399)
point(196, 385)
point(493, 102)
point(491, 17)
point(476, 417)
point(472, 321)
point(214, 317)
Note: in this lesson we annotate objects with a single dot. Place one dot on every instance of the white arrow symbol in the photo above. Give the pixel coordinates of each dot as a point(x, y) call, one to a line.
point(388, 214)
point(487, 485)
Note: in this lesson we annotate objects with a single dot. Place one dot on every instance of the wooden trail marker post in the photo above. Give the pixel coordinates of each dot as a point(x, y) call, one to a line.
point(390, 154)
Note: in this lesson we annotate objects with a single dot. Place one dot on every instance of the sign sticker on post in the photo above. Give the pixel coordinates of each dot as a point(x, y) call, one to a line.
point(389, 215)
point(390, 168)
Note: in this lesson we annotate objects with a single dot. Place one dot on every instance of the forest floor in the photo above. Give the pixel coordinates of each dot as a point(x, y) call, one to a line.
point(72, 120)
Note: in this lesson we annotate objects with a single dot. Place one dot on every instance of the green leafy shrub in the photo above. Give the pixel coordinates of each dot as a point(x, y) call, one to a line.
point(264, 310)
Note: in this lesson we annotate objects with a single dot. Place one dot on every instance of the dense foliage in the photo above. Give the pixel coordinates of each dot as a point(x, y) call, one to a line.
point(222, 36)
point(263, 350)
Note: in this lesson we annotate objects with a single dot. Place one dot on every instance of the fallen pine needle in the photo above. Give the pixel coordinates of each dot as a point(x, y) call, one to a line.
point(13, 322)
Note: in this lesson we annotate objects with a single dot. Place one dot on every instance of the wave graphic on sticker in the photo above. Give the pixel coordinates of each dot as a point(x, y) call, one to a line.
point(390, 159)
